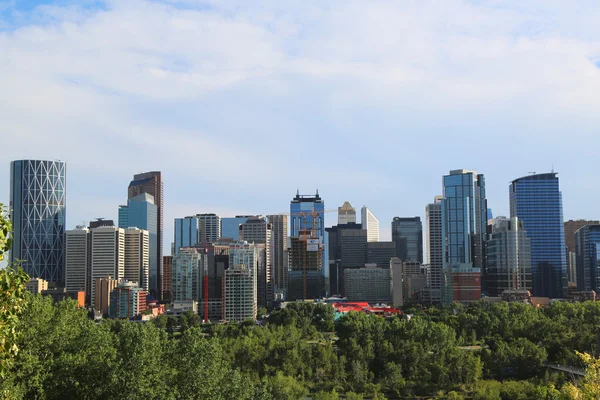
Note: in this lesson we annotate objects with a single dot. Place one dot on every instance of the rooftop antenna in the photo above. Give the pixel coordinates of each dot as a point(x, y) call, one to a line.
point(552, 167)
point(532, 173)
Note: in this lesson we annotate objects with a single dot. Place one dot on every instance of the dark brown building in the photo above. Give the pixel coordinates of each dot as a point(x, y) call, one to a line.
point(151, 183)
point(167, 278)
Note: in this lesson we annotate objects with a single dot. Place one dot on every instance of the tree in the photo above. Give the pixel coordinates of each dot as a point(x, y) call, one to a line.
point(12, 297)
point(589, 387)
point(284, 387)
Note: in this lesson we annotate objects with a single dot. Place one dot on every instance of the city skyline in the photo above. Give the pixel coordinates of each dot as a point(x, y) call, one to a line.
point(388, 77)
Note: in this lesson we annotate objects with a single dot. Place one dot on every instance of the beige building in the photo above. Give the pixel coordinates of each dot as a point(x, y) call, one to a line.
point(137, 257)
point(103, 287)
point(36, 285)
point(346, 214)
point(370, 223)
point(397, 286)
point(108, 255)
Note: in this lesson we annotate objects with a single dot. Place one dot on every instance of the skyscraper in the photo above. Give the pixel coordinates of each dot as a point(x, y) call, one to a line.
point(137, 257)
point(434, 245)
point(38, 210)
point(279, 259)
point(570, 228)
point(187, 264)
point(141, 212)
point(151, 183)
point(77, 262)
point(230, 227)
point(186, 232)
point(347, 249)
point(407, 234)
point(239, 297)
point(370, 223)
point(258, 230)
point(537, 201)
point(167, 282)
point(302, 210)
point(587, 241)
point(464, 222)
point(346, 214)
point(108, 255)
point(508, 257)
point(209, 227)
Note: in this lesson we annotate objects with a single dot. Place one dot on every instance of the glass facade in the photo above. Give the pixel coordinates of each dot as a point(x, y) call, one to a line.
point(142, 213)
point(230, 227)
point(186, 232)
point(464, 221)
point(407, 234)
point(301, 218)
point(38, 211)
point(587, 245)
point(537, 201)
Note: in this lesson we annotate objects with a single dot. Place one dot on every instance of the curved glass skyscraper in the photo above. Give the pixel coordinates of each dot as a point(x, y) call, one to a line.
point(37, 203)
point(537, 201)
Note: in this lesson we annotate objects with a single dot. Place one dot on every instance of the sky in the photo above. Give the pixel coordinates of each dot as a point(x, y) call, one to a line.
point(241, 103)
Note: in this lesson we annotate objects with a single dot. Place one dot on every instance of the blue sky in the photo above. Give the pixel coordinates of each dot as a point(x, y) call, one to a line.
point(240, 103)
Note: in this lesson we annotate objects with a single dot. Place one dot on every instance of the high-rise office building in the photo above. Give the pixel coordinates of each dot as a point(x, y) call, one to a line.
point(37, 212)
point(434, 246)
point(347, 249)
point(370, 223)
point(187, 233)
point(141, 212)
point(279, 261)
point(380, 253)
point(346, 214)
point(108, 255)
point(186, 280)
point(307, 213)
point(77, 260)
point(537, 201)
point(167, 282)
point(407, 234)
point(305, 276)
point(370, 284)
point(152, 184)
point(239, 302)
point(508, 257)
point(464, 223)
point(397, 292)
point(258, 230)
point(230, 226)
point(137, 257)
point(570, 228)
point(209, 227)
point(587, 246)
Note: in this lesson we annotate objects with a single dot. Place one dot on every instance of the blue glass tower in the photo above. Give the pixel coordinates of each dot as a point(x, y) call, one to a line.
point(587, 245)
point(141, 212)
point(464, 221)
point(186, 232)
point(38, 210)
point(230, 227)
point(537, 201)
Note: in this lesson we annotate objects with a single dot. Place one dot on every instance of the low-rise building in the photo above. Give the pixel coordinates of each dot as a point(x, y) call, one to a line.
point(127, 300)
point(370, 284)
point(36, 285)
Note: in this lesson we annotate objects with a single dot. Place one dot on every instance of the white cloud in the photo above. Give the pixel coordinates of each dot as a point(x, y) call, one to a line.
point(231, 95)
